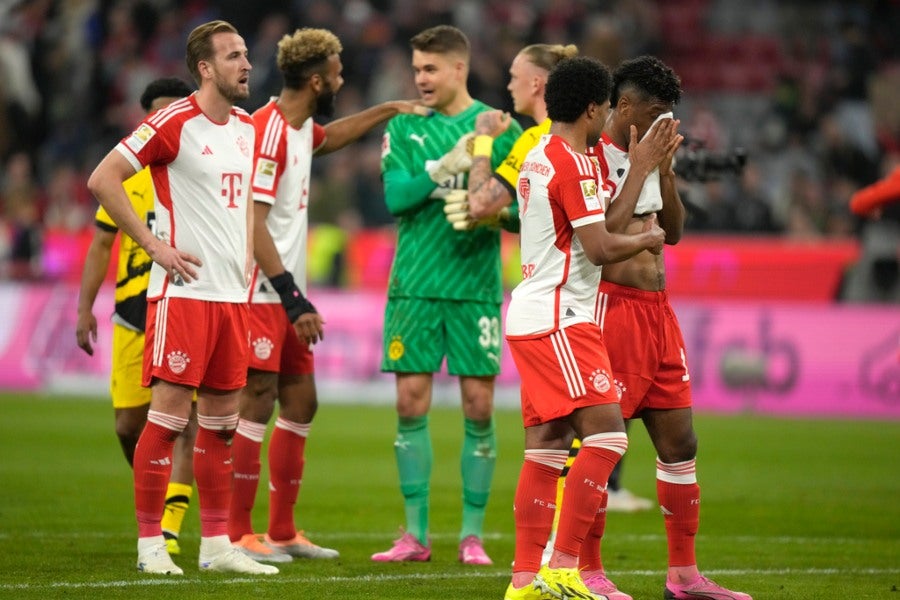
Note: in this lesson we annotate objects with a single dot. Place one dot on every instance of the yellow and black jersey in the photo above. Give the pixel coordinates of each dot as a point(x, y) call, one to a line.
point(133, 271)
point(508, 171)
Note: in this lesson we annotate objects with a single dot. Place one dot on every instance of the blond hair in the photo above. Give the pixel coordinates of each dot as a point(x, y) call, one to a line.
point(200, 47)
point(304, 53)
point(546, 56)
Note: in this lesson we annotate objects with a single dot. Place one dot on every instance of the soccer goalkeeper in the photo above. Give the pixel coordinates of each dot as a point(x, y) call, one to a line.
point(444, 293)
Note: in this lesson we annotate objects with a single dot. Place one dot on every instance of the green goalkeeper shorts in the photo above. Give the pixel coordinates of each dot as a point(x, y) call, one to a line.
point(419, 332)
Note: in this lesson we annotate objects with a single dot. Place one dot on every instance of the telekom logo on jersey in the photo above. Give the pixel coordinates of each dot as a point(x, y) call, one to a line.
point(231, 188)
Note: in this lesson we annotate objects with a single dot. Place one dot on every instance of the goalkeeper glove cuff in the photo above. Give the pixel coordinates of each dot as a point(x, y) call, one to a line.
point(292, 299)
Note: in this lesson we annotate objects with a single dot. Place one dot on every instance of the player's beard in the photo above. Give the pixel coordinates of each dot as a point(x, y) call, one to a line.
point(325, 103)
point(233, 93)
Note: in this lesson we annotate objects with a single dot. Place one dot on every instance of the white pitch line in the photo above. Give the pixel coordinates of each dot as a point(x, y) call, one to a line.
point(443, 536)
point(157, 580)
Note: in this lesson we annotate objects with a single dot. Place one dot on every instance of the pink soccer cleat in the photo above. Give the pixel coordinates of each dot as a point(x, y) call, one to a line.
point(601, 586)
point(405, 549)
point(471, 552)
point(701, 589)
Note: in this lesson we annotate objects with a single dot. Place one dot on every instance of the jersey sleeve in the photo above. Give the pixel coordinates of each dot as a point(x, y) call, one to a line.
point(318, 135)
point(268, 157)
point(148, 145)
point(577, 188)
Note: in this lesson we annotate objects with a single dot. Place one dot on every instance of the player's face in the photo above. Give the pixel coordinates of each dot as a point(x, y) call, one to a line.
point(597, 119)
point(643, 112)
point(332, 82)
point(229, 69)
point(438, 77)
point(524, 86)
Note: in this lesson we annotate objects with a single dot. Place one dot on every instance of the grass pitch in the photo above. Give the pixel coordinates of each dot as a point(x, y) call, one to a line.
point(792, 509)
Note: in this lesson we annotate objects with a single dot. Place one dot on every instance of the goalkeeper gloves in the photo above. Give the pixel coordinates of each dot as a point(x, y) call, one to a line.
point(292, 299)
point(456, 161)
point(456, 208)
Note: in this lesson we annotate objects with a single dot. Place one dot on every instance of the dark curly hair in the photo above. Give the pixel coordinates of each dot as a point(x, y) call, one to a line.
point(650, 77)
point(573, 84)
point(167, 87)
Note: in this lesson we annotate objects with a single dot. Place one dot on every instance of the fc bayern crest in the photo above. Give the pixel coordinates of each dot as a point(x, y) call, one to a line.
point(600, 379)
point(177, 361)
point(262, 348)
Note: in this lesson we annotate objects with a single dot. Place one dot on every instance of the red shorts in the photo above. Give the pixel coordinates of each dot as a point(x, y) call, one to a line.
point(274, 345)
point(560, 372)
point(646, 348)
point(197, 342)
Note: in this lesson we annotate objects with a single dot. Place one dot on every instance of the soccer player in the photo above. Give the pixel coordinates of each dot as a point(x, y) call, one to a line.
point(200, 153)
point(652, 376)
point(492, 190)
point(444, 294)
point(130, 400)
point(283, 323)
point(567, 383)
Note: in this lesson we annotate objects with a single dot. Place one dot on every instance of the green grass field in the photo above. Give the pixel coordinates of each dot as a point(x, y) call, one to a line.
point(792, 509)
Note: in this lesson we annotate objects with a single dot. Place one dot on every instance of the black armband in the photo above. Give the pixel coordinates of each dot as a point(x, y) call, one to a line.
point(292, 299)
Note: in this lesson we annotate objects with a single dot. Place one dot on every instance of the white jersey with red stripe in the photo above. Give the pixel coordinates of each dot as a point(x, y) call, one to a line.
point(558, 190)
point(614, 167)
point(283, 159)
point(201, 177)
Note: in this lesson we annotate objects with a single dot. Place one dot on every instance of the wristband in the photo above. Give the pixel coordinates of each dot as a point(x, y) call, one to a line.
point(292, 299)
point(484, 145)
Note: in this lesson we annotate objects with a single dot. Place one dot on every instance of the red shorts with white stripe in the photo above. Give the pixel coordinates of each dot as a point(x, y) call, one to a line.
point(560, 372)
point(274, 345)
point(646, 348)
point(197, 342)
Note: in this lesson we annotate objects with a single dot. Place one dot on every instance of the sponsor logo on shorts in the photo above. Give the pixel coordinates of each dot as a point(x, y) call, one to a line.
point(396, 349)
point(620, 388)
point(262, 348)
point(177, 361)
point(600, 379)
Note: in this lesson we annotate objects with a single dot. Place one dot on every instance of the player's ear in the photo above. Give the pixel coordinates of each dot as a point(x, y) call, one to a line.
point(316, 82)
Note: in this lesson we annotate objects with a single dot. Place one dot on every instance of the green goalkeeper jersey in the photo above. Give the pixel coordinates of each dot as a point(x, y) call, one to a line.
point(432, 260)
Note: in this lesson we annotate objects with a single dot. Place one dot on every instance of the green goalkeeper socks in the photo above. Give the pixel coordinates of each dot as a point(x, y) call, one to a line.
point(414, 459)
point(479, 455)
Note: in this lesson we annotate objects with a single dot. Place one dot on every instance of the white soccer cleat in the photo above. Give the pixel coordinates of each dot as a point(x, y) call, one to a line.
point(153, 557)
point(218, 554)
point(622, 500)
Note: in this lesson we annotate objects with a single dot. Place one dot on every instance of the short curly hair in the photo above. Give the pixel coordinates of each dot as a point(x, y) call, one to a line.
point(304, 54)
point(573, 84)
point(166, 87)
point(648, 76)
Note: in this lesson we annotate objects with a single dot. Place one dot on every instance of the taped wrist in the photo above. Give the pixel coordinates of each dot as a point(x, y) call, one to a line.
point(292, 299)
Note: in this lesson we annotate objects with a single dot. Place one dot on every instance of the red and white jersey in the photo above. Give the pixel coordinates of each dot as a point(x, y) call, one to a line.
point(281, 174)
point(201, 178)
point(614, 167)
point(558, 190)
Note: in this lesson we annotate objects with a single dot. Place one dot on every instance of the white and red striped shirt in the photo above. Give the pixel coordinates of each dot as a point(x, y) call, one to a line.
point(558, 190)
point(201, 178)
point(281, 174)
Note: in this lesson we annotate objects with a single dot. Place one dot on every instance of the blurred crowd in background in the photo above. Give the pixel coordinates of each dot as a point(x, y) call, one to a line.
point(807, 89)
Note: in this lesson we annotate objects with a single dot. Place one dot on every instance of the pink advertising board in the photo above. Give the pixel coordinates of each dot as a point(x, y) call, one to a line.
point(780, 358)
